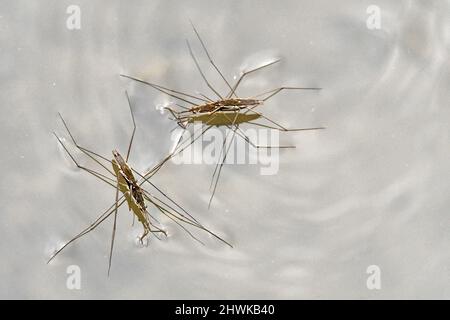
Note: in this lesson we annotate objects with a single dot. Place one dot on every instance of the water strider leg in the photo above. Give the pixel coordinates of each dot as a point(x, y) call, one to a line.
point(273, 92)
point(244, 74)
point(84, 150)
point(223, 161)
point(209, 57)
point(284, 129)
point(277, 125)
point(247, 139)
point(96, 174)
point(134, 127)
point(197, 225)
point(90, 228)
point(170, 92)
point(114, 229)
point(201, 72)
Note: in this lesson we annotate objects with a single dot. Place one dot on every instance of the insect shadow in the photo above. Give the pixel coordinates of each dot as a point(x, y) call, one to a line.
point(225, 110)
point(129, 182)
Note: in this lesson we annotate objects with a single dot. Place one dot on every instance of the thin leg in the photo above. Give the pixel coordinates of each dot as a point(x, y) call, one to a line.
point(94, 173)
point(175, 114)
point(82, 149)
point(220, 169)
point(157, 230)
point(206, 97)
point(209, 57)
point(284, 129)
point(168, 214)
point(134, 127)
point(166, 90)
point(203, 131)
point(151, 225)
point(171, 209)
point(223, 144)
point(244, 74)
point(114, 229)
point(197, 225)
point(151, 217)
point(222, 148)
point(168, 198)
point(150, 173)
point(152, 198)
point(247, 139)
point(223, 161)
point(278, 126)
point(176, 127)
point(91, 227)
point(201, 72)
point(274, 92)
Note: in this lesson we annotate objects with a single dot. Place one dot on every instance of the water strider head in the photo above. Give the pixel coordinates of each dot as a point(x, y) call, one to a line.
point(118, 157)
point(123, 166)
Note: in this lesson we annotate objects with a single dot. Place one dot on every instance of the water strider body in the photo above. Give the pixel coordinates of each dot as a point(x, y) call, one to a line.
point(219, 113)
point(231, 104)
point(134, 194)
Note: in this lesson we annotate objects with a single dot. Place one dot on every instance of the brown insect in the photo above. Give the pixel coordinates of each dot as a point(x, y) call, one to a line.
point(129, 182)
point(228, 110)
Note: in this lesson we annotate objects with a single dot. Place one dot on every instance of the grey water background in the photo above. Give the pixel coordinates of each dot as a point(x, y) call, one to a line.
point(371, 189)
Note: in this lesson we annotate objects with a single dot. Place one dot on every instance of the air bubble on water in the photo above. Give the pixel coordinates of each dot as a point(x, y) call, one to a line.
point(137, 242)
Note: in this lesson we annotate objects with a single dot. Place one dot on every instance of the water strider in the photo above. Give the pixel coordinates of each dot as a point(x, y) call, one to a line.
point(227, 110)
point(129, 183)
